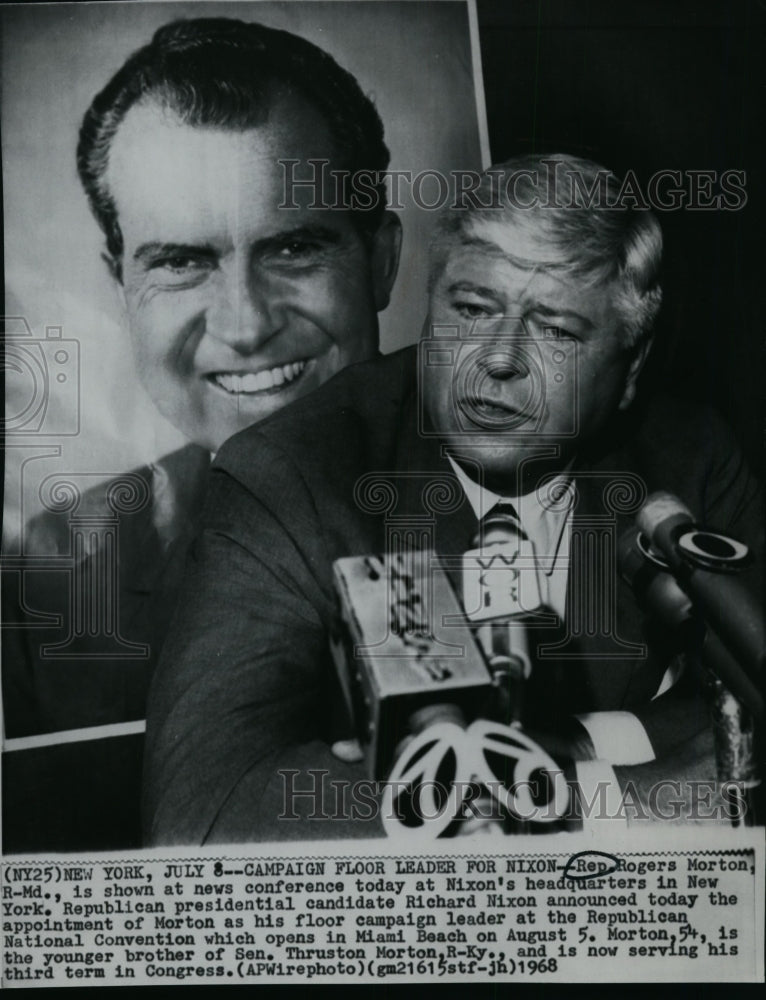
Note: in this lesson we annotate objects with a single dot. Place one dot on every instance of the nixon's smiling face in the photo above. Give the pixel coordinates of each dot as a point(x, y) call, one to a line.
point(235, 306)
point(521, 390)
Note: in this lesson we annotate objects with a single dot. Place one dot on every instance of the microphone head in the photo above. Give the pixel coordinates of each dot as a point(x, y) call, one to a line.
point(659, 507)
point(646, 573)
point(630, 559)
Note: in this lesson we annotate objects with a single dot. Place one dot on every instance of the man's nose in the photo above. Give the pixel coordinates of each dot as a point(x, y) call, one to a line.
point(501, 360)
point(244, 312)
point(500, 350)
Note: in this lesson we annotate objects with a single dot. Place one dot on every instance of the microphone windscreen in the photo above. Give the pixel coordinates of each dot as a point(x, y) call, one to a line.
point(658, 508)
point(630, 559)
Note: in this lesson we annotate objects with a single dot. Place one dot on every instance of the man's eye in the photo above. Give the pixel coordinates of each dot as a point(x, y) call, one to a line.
point(297, 249)
point(474, 310)
point(556, 333)
point(183, 264)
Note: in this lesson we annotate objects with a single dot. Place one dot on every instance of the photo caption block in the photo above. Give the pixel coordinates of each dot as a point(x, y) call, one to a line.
point(680, 908)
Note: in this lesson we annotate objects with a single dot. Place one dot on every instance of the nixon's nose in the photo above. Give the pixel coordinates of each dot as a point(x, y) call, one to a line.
point(242, 314)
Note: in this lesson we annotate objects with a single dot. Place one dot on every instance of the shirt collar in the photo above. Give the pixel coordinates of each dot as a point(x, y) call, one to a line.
point(544, 523)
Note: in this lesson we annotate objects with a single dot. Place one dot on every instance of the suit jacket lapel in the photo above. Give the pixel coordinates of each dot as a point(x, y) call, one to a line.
point(431, 492)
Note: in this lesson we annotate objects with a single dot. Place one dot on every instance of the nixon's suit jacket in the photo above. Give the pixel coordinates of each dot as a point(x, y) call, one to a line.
point(245, 684)
point(85, 616)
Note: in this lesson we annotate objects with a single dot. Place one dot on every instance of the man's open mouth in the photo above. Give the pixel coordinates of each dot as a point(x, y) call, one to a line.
point(481, 403)
point(493, 414)
point(238, 383)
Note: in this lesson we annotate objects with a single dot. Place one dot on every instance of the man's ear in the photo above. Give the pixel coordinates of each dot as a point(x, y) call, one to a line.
point(639, 354)
point(384, 258)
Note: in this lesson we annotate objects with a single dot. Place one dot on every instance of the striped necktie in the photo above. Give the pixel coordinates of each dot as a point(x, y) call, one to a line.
point(500, 524)
point(505, 645)
point(529, 690)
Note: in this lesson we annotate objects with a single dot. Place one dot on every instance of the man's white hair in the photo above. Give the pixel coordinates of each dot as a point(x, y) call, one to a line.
point(573, 203)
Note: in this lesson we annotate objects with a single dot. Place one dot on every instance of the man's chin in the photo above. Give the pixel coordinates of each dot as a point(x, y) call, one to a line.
point(512, 467)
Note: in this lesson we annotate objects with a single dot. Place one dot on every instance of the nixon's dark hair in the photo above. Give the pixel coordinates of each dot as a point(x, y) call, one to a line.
point(221, 72)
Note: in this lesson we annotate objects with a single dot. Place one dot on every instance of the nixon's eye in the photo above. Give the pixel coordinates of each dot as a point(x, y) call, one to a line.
point(297, 248)
point(181, 264)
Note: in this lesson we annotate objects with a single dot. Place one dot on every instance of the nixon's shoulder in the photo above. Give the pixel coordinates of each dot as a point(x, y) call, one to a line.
point(128, 495)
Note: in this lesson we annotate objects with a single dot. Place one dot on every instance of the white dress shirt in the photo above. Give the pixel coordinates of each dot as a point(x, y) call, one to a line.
point(546, 523)
point(546, 517)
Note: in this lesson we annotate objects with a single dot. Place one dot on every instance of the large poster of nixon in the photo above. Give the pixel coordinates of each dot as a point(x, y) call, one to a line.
point(382, 549)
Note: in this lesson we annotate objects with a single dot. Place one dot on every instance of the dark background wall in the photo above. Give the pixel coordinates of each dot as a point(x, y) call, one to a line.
point(654, 85)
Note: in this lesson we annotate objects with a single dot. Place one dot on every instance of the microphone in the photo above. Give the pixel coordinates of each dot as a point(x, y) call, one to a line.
point(423, 695)
point(500, 593)
point(402, 644)
point(646, 573)
point(404, 641)
point(706, 565)
point(722, 625)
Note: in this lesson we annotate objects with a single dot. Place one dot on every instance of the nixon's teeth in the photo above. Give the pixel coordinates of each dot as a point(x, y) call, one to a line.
point(252, 382)
point(293, 371)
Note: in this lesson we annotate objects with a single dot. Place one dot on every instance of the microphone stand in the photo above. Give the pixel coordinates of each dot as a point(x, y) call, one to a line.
point(734, 709)
point(736, 704)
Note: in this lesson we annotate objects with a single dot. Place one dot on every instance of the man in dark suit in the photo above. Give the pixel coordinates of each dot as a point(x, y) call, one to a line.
point(541, 308)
